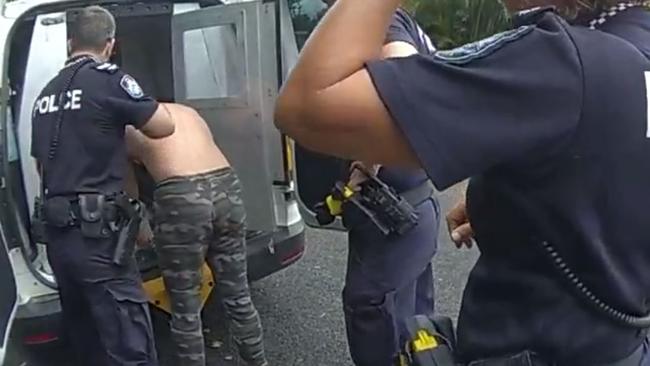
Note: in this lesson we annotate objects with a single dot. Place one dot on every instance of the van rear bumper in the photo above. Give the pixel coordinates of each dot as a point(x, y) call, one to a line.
point(38, 322)
point(268, 257)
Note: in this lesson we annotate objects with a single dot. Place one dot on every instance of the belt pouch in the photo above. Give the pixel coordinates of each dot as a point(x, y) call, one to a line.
point(91, 208)
point(57, 212)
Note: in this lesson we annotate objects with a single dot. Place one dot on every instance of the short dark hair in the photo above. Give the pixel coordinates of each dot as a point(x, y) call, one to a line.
point(91, 28)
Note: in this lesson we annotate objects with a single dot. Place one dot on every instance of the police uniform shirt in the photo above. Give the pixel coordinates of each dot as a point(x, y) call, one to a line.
point(91, 153)
point(403, 28)
point(551, 121)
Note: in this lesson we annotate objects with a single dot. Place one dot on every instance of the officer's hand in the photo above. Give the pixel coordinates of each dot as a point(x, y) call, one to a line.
point(459, 227)
point(357, 176)
point(145, 235)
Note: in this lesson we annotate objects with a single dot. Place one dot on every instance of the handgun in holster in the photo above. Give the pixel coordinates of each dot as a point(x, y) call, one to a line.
point(430, 342)
point(128, 226)
point(103, 217)
point(389, 211)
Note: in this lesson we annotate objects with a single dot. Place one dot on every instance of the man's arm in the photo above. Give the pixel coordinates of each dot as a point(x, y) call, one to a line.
point(398, 49)
point(392, 49)
point(329, 103)
point(342, 99)
point(130, 182)
point(160, 124)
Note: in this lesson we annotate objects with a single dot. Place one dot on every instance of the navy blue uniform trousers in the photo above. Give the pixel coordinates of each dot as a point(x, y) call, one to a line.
point(106, 317)
point(388, 280)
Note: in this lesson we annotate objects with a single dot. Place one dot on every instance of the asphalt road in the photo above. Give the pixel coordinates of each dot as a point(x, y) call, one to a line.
point(301, 307)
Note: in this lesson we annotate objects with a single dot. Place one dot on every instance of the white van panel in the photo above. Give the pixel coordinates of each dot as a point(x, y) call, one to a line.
point(48, 43)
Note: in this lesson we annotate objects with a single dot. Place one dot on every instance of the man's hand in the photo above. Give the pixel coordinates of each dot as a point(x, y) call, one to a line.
point(145, 236)
point(459, 226)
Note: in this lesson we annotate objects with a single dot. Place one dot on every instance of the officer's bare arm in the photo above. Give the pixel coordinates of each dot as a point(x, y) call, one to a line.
point(392, 49)
point(160, 124)
point(398, 49)
point(329, 103)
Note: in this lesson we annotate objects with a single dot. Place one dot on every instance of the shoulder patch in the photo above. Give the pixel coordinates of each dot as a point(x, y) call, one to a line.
point(107, 67)
point(472, 51)
point(131, 87)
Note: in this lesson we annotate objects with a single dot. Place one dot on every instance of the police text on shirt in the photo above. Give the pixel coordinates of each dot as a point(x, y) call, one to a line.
point(49, 103)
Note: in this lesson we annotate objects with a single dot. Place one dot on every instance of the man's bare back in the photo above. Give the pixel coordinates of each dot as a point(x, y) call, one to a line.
point(189, 150)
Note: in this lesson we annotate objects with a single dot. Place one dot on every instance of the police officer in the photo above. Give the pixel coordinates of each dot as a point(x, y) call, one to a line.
point(390, 278)
point(78, 141)
point(550, 119)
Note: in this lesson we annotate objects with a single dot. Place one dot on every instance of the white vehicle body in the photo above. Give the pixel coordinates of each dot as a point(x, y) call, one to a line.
point(225, 60)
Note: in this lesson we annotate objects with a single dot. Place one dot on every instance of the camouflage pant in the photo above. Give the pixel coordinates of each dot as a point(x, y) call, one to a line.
point(199, 218)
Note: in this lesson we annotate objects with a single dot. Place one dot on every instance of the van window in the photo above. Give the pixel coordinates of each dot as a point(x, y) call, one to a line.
point(214, 62)
point(305, 14)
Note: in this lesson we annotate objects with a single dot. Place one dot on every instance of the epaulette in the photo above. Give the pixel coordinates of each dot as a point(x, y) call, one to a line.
point(482, 48)
point(107, 67)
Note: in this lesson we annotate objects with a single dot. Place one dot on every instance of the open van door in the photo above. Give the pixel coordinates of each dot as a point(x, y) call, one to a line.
point(8, 298)
point(225, 66)
point(314, 174)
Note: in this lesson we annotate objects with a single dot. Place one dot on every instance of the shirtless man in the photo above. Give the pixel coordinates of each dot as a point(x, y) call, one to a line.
point(198, 214)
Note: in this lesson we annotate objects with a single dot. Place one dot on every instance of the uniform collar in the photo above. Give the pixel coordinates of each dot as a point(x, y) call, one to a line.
point(80, 58)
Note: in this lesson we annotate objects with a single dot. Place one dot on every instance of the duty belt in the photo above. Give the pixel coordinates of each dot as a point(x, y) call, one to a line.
point(63, 211)
point(432, 342)
point(392, 213)
point(99, 217)
point(419, 194)
point(532, 359)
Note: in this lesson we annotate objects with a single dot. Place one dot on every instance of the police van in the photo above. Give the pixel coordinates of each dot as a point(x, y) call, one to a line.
point(226, 60)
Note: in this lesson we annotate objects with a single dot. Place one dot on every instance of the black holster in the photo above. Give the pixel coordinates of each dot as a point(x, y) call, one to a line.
point(102, 217)
point(419, 351)
point(392, 213)
point(95, 219)
point(37, 226)
point(131, 212)
point(57, 212)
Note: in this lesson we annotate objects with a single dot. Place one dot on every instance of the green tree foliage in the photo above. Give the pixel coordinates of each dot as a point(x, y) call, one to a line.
point(456, 22)
point(305, 14)
point(451, 22)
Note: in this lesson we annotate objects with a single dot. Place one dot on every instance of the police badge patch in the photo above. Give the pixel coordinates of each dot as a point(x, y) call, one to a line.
point(131, 87)
point(482, 48)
